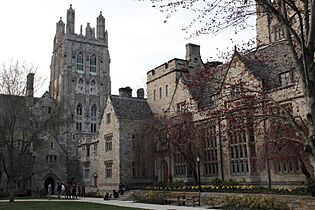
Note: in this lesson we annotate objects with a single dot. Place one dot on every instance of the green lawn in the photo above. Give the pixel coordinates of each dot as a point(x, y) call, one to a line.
point(52, 205)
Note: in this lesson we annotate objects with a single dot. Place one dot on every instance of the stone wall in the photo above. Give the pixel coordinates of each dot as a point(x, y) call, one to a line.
point(288, 202)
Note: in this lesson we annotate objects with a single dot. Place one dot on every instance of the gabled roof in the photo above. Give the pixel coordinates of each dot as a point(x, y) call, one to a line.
point(130, 108)
point(264, 63)
point(268, 62)
point(206, 83)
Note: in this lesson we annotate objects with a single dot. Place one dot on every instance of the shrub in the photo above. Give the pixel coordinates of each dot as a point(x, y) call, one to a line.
point(248, 201)
point(150, 197)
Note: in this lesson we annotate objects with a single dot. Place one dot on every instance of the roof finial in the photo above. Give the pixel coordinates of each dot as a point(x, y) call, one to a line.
point(100, 12)
point(70, 5)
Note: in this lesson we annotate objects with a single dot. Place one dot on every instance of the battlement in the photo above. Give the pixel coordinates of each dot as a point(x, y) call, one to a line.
point(90, 33)
point(167, 68)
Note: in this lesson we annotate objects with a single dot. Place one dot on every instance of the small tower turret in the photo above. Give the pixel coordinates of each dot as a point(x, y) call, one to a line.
point(89, 32)
point(100, 27)
point(70, 20)
point(60, 27)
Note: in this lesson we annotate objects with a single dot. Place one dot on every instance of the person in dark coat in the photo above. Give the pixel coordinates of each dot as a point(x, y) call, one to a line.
point(106, 197)
point(74, 190)
point(115, 194)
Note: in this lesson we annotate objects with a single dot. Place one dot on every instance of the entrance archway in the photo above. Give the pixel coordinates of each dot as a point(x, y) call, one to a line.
point(49, 180)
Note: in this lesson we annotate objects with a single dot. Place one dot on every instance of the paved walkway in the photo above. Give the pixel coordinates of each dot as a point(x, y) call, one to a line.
point(140, 205)
point(121, 203)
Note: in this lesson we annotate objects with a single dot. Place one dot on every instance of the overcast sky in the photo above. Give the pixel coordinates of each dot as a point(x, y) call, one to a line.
point(139, 40)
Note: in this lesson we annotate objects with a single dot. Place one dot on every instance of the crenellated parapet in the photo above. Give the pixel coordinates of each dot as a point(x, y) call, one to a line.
point(95, 36)
point(167, 68)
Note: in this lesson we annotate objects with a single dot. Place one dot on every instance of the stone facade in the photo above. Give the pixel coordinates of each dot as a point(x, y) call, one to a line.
point(80, 80)
point(47, 157)
point(120, 158)
point(50, 156)
point(220, 158)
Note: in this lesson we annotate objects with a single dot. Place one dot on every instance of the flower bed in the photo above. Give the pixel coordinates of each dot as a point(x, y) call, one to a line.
point(234, 188)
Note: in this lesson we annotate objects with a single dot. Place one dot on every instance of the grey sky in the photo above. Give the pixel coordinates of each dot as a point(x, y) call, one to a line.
point(138, 39)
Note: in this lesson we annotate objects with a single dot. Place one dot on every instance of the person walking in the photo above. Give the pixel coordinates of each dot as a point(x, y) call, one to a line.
point(83, 190)
point(58, 189)
point(68, 191)
point(63, 189)
point(49, 191)
point(79, 190)
point(74, 190)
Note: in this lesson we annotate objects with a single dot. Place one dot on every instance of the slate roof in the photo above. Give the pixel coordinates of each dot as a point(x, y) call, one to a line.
point(13, 108)
point(130, 108)
point(268, 62)
point(207, 85)
point(265, 64)
point(9, 100)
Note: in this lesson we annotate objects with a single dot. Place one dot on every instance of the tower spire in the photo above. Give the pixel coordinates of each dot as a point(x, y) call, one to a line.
point(70, 20)
point(100, 27)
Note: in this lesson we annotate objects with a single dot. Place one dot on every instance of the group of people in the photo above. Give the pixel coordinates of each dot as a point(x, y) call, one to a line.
point(122, 188)
point(70, 190)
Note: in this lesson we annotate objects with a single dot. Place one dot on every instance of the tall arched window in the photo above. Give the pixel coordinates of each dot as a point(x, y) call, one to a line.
point(93, 63)
point(79, 109)
point(93, 86)
point(81, 84)
point(80, 61)
point(93, 112)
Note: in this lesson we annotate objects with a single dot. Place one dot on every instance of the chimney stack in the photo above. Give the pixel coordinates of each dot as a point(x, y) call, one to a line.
point(30, 85)
point(125, 92)
point(140, 93)
point(192, 52)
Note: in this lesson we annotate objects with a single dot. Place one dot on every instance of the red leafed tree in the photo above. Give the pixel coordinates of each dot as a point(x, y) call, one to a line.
point(252, 108)
point(175, 137)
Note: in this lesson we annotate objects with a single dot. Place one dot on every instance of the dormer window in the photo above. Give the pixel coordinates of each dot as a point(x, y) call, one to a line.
point(93, 63)
point(182, 107)
point(235, 91)
point(213, 100)
point(80, 61)
point(285, 79)
point(278, 32)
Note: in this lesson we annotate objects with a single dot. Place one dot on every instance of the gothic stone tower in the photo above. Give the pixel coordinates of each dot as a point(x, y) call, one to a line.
point(80, 80)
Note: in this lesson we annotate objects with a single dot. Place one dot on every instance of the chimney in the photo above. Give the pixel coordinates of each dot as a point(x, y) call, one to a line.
point(30, 85)
point(125, 92)
point(140, 93)
point(192, 52)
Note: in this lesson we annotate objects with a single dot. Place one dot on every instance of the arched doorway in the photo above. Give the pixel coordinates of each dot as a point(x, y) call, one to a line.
point(164, 171)
point(49, 180)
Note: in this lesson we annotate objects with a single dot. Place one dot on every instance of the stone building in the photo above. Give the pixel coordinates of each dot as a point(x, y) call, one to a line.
point(80, 80)
point(113, 139)
point(226, 151)
point(44, 159)
point(124, 152)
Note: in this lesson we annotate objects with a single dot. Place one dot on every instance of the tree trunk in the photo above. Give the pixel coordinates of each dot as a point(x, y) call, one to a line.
point(11, 189)
point(310, 145)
